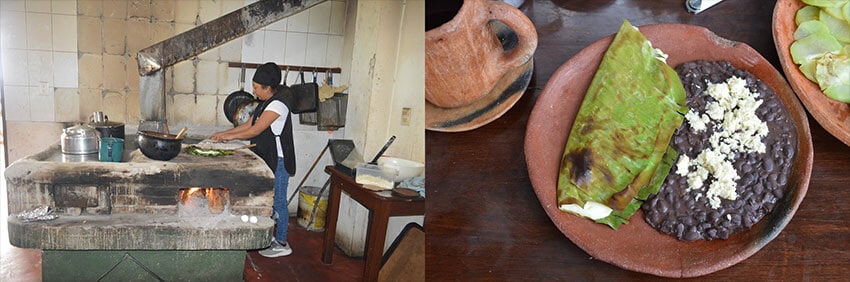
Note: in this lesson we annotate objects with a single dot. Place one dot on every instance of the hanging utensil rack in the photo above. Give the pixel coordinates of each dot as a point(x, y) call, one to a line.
point(285, 67)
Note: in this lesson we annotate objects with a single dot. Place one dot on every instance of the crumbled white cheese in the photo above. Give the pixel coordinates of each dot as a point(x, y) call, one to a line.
point(682, 167)
point(696, 178)
point(592, 210)
point(714, 110)
point(737, 129)
point(698, 122)
point(740, 127)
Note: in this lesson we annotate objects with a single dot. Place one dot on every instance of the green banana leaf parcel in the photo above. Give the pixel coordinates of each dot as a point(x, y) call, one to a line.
point(618, 152)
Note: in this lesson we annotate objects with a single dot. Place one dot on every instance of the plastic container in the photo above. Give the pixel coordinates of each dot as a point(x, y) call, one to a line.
point(373, 176)
point(311, 216)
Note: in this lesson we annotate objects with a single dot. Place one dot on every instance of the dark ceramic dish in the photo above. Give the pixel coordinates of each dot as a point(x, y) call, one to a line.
point(637, 246)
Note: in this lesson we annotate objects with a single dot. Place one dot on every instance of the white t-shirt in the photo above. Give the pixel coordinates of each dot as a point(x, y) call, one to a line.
point(278, 124)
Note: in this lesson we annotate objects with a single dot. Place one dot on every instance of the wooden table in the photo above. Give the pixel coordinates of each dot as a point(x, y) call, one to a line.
point(381, 206)
point(484, 221)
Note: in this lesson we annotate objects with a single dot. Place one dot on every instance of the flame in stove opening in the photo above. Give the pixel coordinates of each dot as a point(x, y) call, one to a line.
point(215, 200)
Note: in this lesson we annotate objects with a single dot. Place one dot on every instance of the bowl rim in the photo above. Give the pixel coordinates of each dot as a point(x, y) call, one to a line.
point(401, 161)
point(160, 135)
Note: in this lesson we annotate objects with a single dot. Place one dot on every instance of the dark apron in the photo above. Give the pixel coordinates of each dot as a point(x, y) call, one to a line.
point(267, 148)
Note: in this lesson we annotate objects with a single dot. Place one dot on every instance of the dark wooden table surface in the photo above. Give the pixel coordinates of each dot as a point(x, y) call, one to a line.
point(484, 222)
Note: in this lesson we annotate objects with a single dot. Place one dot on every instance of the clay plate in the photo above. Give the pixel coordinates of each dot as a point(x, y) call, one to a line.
point(834, 116)
point(496, 103)
point(637, 246)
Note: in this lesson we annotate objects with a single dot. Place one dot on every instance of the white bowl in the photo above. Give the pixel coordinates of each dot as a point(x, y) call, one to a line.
point(406, 168)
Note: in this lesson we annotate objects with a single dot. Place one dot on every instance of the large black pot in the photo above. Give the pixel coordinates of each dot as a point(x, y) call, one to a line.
point(159, 146)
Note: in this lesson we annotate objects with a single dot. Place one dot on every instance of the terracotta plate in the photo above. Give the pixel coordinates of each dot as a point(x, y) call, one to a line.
point(496, 103)
point(637, 246)
point(834, 116)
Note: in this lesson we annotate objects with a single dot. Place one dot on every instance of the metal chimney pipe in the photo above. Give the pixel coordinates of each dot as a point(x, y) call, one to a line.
point(153, 59)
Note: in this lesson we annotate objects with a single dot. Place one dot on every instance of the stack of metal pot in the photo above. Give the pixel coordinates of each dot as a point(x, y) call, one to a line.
point(81, 142)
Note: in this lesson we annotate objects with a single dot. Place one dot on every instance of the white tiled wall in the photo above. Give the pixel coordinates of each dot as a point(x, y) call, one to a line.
point(82, 49)
point(39, 45)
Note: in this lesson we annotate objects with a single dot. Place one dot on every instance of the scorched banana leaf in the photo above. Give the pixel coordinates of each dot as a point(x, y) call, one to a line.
point(618, 150)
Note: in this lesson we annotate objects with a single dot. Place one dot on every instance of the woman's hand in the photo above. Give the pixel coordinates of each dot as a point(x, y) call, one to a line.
point(220, 136)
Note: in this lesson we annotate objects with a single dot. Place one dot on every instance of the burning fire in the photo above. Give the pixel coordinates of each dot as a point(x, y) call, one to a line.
point(216, 200)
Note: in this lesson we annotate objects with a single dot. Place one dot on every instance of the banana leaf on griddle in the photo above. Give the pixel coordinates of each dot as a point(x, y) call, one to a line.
point(618, 152)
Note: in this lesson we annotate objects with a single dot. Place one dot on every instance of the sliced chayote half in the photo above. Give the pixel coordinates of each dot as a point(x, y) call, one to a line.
point(839, 28)
point(807, 13)
point(835, 12)
point(833, 74)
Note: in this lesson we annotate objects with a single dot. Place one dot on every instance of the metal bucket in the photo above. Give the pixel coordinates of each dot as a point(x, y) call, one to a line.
point(310, 215)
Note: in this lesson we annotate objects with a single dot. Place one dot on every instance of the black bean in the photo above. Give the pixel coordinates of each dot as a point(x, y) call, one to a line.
point(687, 221)
point(654, 216)
point(680, 228)
point(723, 233)
point(702, 216)
point(769, 198)
point(714, 216)
point(736, 219)
point(661, 207)
point(777, 193)
point(692, 235)
point(677, 205)
point(768, 164)
point(757, 189)
point(783, 180)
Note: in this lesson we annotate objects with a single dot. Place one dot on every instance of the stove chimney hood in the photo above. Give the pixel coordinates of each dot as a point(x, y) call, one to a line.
point(153, 59)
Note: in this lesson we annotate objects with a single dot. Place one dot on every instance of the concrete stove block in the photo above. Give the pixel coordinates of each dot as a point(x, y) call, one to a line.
point(142, 232)
point(133, 204)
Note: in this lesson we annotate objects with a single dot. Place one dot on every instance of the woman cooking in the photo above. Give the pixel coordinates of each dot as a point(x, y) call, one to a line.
point(271, 129)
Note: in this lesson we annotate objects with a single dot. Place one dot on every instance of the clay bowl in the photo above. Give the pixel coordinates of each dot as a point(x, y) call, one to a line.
point(637, 246)
point(833, 115)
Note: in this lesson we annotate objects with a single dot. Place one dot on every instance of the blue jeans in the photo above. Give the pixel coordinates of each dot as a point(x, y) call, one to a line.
point(281, 183)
